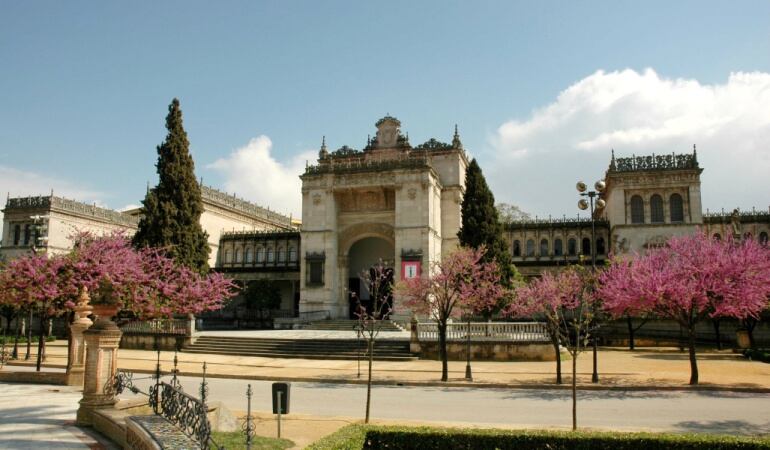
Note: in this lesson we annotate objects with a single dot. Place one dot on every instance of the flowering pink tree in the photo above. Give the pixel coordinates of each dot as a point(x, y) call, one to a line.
point(31, 283)
point(460, 282)
point(142, 281)
point(690, 279)
point(145, 281)
point(569, 306)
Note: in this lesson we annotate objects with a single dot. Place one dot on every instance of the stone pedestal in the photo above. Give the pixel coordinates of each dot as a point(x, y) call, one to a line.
point(414, 339)
point(77, 347)
point(102, 341)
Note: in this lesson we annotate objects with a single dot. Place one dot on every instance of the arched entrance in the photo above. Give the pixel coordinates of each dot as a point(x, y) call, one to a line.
point(362, 256)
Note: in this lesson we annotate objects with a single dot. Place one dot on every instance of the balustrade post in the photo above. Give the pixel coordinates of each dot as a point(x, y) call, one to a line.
point(102, 341)
point(77, 345)
point(414, 340)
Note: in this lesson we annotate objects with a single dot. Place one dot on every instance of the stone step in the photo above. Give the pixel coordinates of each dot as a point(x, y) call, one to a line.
point(345, 325)
point(338, 356)
point(346, 349)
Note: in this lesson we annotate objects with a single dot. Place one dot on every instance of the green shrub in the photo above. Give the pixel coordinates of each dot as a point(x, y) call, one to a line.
point(356, 437)
point(758, 354)
point(8, 340)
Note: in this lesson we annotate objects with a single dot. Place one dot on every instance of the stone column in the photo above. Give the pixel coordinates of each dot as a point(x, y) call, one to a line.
point(77, 345)
point(414, 338)
point(102, 341)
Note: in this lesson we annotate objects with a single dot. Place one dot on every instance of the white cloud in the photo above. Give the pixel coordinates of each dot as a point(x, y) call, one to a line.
point(254, 174)
point(538, 160)
point(20, 183)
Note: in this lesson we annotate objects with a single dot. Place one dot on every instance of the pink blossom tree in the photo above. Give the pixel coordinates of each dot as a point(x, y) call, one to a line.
point(460, 282)
point(569, 306)
point(145, 281)
point(31, 283)
point(688, 280)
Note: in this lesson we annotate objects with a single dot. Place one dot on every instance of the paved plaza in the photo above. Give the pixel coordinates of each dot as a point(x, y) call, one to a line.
point(648, 368)
point(43, 417)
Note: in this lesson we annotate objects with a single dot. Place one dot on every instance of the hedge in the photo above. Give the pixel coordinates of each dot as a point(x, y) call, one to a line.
point(757, 354)
point(355, 437)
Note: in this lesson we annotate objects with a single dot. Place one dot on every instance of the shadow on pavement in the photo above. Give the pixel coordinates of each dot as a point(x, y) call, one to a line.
point(723, 427)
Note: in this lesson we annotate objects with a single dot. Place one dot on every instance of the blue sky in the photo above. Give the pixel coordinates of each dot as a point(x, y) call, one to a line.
point(85, 87)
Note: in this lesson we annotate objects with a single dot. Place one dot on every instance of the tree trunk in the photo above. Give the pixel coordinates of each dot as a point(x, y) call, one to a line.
point(369, 380)
point(715, 322)
point(29, 336)
point(557, 352)
point(15, 354)
point(442, 351)
point(574, 391)
point(693, 362)
point(630, 324)
point(41, 342)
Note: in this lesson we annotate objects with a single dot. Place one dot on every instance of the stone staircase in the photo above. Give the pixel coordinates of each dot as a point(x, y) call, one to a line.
point(346, 349)
point(347, 325)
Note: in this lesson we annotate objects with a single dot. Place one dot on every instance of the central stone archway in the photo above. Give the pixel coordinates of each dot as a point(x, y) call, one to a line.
point(362, 256)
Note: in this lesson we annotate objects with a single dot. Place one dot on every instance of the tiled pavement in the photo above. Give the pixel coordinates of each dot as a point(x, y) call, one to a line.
point(39, 416)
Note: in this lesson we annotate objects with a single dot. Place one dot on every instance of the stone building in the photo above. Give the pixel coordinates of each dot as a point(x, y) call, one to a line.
point(390, 202)
point(48, 222)
point(648, 200)
point(59, 218)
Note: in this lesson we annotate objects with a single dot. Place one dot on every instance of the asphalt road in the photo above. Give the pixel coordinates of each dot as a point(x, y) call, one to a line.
point(694, 411)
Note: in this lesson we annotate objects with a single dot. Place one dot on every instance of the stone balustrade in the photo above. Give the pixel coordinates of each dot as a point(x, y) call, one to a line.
point(486, 331)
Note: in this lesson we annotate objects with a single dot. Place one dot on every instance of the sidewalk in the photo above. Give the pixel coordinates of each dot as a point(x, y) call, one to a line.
point(42, 417)
point(654, 368)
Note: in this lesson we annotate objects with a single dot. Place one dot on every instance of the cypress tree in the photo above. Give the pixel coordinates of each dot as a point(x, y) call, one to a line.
point(481, 224)
point(172, 209)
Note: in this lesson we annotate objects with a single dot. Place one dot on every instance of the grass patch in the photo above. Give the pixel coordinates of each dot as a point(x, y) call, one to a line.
point(236, 440)
point(355, 437)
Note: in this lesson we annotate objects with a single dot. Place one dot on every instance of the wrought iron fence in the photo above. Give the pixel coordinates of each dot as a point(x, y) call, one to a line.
point(188, 413)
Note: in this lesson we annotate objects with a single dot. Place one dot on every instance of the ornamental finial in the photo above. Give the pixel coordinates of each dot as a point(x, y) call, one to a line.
point(456, 143)
point(323, 153)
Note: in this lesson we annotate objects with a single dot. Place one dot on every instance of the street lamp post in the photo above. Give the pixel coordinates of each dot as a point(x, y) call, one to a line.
point(38, 226)
point(582, 189)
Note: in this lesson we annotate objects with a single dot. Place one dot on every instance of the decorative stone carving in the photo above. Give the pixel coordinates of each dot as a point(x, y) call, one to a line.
point(411, 193)
point(77, 345)
point(317, 199)
point(102, 341)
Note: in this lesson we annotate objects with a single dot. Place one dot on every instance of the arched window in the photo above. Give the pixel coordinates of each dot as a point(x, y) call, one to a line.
point(270, 255)
point(228, 257)
point(530, 247)
point(557, 247)
point(543, 247)
point(600, 248)
point(677, 209)
point(656, 209)
point(238, 255)
point(292, 254)
point(763, 238)
point(249, 255)
point(27, 234)
point(571, 247)
point(637, 209)
point(586, 246)
point(717, 237)
point(516, 248)
point(281, 255)
point(16, 234)
point(260, 255)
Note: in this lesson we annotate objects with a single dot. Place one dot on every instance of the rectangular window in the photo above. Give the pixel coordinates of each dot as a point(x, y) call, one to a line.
point(316, 273)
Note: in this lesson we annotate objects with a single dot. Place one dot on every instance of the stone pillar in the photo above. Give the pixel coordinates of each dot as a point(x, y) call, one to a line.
point(414, 341)
point(77, 346)
point(102, 341)
point(190, 329)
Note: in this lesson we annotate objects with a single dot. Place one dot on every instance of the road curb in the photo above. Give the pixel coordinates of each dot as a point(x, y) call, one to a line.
point(455, 384)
